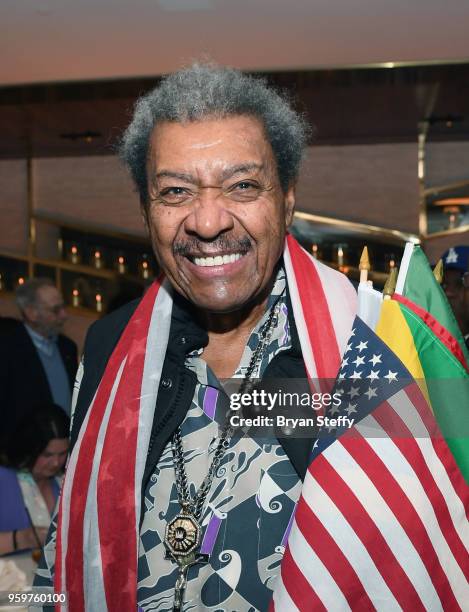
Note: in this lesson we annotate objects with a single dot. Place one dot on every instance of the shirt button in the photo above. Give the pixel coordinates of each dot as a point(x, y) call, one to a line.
point(166, 383)
point(183, 340)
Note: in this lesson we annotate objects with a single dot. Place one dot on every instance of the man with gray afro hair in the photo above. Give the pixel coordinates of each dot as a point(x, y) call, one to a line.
point(183, 514)
point(204, 91)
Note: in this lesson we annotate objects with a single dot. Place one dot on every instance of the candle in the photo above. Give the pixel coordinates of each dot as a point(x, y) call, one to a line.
point(75, 298)
point(392, 264)
point(74, 255)
point(60, 247)
point(98, 261)
point(315, 251)
point(20, 280)
point(99, 302)
point(145, 268)
point(340, 256)
point(121, 265)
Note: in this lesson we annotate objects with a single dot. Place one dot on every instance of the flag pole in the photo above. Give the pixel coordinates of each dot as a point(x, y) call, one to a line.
point(390, 284)
point(364, 265)
point(438, 271)
point(403, 268)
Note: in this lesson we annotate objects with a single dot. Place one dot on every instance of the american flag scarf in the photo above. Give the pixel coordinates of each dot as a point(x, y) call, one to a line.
point(98, 522)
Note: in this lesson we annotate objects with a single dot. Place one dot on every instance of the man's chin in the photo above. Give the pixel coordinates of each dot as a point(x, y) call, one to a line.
point(226, 305)
point(215, 307)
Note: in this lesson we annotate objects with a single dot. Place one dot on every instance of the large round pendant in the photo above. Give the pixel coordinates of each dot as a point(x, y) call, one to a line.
point(182, 536)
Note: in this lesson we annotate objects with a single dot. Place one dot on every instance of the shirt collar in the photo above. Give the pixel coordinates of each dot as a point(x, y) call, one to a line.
point(46, 345)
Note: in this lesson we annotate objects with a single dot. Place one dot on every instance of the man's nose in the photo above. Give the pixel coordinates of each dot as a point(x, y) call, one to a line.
point(209, 216)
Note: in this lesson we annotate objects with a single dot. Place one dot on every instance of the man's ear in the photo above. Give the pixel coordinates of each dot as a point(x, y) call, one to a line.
point(290, 200)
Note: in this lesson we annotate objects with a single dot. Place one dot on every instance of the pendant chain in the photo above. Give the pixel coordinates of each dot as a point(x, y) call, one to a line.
point(195, 505)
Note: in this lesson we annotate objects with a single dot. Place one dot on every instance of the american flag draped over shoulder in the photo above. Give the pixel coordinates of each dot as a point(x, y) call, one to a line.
point(382, 520)
point(98, 522)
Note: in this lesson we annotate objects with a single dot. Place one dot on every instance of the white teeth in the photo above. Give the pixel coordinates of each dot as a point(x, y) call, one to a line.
point(219, 260)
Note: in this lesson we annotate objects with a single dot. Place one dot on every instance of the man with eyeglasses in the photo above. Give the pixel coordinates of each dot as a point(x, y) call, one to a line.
point(37, 362)
point(456, 285)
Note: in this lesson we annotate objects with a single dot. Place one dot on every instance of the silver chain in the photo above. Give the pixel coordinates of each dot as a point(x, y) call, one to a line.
point(195, 504)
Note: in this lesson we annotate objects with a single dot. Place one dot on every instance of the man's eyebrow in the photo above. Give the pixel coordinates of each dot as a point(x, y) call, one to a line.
point(249, 167)
point(225, 174)
point(188, 178)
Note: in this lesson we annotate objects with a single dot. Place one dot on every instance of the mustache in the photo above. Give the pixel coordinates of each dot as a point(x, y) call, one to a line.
point(222, 243)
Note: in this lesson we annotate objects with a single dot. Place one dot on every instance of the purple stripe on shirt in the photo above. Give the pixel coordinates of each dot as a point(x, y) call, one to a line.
point(211, 534)
point(210, 402)
point(288, 529)
point(285, 327)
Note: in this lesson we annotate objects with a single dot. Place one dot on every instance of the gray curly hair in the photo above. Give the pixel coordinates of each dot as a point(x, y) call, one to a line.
point(206, 90)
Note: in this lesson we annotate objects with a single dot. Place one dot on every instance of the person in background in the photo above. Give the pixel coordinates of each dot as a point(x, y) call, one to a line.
point(30, 477)
point(37, 363)
point(456, 285)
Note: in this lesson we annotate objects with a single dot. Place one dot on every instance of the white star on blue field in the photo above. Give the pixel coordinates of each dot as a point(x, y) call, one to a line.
point(369, 375)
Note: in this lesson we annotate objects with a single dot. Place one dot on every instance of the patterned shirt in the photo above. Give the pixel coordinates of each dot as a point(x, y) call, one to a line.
point(248, 510)
point(249, 507)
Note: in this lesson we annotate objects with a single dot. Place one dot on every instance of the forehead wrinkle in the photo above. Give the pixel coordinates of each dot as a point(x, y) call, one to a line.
point(183, 176)
point(205, 145)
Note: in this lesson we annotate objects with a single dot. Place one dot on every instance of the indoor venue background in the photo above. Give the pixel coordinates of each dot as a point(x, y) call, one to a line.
point(385, 84)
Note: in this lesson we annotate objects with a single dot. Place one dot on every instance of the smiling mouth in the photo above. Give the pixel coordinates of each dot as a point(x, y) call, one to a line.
point(217, 260)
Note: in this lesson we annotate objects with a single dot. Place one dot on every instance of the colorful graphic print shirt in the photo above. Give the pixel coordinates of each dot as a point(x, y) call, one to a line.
point(248, 510)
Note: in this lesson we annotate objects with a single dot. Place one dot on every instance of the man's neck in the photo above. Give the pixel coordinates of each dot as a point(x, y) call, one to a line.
point(228, 334)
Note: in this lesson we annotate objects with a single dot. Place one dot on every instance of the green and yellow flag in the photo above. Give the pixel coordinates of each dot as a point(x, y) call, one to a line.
point(419, 326)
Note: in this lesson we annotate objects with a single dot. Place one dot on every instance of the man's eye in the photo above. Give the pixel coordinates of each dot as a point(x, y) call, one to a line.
point(174, 194)
point(243, 185)
point(172, 191)
point(244, 191)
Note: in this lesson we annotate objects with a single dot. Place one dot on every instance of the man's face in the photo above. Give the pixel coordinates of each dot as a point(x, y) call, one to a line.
point(217, 214)
point(48, 315)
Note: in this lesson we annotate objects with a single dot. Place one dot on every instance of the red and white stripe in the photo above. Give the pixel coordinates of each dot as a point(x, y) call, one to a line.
point(382, 521)
point(97, 534)
point(98, 521)
point(324, 305)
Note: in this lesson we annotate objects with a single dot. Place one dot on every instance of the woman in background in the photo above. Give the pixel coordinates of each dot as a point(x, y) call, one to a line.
point(30, 478)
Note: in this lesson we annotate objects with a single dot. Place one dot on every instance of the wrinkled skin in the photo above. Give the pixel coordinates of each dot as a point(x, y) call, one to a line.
point(214, 190)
